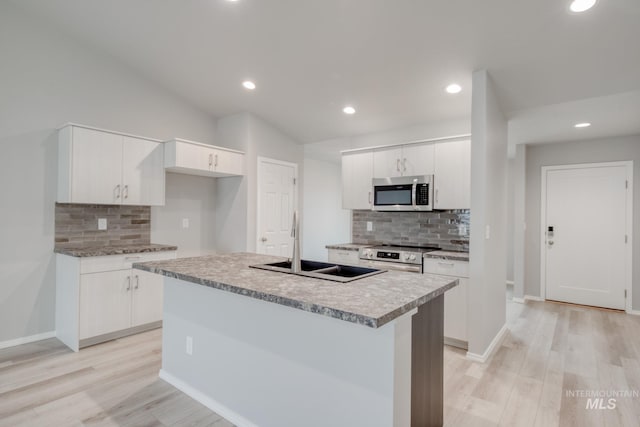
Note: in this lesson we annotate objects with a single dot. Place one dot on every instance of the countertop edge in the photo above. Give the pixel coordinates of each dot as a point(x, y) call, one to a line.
point(308, 307)
point(106, 251)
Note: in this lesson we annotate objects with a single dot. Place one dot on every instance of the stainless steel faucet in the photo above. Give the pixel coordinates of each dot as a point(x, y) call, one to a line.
point(295, 233)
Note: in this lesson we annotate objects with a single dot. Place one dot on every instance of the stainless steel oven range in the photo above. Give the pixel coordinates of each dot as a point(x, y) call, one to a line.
point(391, 257)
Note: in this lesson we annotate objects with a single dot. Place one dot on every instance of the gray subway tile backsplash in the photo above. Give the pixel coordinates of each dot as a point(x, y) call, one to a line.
point(448, 230)
point(77, 225)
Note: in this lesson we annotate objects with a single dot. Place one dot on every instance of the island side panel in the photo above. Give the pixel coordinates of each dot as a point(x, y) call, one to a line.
point(259, 363)
point(427, 364)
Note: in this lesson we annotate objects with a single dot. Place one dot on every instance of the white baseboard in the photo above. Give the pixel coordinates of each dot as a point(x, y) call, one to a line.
point(533, 298)
point(199, 396)
point(518, 300)
point(493, 346)
point(510, 283)
point(27, 340)
point(634, 312)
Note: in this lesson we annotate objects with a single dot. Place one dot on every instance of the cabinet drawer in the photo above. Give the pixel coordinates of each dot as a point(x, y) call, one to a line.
point(446, 267)
point(344, 257)
point(120, 262)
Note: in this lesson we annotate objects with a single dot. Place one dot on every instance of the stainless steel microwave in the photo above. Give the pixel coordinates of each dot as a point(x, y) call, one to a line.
point(403, 193)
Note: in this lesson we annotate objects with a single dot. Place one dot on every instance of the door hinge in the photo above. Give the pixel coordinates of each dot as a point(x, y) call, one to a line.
point(625, 293)
point(626, 238)
point(294, 181)
point(626, 183)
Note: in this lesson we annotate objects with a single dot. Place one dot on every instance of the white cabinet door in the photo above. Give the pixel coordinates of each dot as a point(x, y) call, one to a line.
point(455, 311)
point(96, 167)
point(228, 162)
point(142, 172)
point(452, 175)
point(387, 162)
point(417, 159)
point(105, 302)
point(147, 297)
point(357, 172)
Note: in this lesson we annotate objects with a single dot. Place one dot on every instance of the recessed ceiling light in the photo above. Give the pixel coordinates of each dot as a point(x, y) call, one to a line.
point(582, 125)
point(349, 110)
point(248, 84)
point(581, 5)
point(453, 88)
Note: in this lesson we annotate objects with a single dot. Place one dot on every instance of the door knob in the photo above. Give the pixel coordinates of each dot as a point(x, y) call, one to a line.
point(263, 239)
point(550, 242)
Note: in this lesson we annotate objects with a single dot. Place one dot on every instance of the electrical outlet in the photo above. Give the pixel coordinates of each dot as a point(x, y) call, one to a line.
point(369, 226)
point(185, 222)
point(102, 223)
point(189, 348)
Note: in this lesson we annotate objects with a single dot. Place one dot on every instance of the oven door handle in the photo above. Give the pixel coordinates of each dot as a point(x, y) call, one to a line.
point(411, 268)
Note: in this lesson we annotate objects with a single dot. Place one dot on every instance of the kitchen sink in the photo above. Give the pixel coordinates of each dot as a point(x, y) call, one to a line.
point(321, 270)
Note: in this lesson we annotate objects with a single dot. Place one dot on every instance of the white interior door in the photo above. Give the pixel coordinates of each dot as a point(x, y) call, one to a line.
point(585, 220)
point(276, 203)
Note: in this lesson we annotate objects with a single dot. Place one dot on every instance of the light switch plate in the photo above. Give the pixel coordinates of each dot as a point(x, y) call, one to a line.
point(185, 222)
point(102, 223)
point(369, 226)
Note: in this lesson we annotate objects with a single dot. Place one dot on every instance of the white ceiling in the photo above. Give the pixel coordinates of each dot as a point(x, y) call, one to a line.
point(390, 59)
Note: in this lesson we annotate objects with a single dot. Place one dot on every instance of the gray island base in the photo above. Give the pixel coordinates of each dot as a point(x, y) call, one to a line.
point(264, 348)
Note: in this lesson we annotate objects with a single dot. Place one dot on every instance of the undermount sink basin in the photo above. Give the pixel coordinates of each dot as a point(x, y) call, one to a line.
point(321, 270)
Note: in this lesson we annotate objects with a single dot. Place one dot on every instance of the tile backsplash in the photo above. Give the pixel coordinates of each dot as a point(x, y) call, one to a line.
point(447, 229)
point(77, 225)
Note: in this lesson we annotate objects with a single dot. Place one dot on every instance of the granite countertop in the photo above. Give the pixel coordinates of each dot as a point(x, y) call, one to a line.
point(348, 246)
point(372, 301)
point(448, 255)
point(89, 251)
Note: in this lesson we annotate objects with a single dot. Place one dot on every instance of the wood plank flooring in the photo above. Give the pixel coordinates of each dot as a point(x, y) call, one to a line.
point(551, 350)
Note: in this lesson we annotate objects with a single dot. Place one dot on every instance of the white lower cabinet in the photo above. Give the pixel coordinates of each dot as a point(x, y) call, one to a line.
point(102, 298)
point(344, 257)
point(455, 300)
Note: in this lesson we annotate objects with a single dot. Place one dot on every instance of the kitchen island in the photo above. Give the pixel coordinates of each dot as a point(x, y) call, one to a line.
point(264, 348)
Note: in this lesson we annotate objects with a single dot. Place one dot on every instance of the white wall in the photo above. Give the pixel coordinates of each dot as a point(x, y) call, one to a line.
point(487, 261)
point(192, 198)
point(329, 150)
point(593, 151)
point(325, 222)
point(47, 79)
point(237, 198)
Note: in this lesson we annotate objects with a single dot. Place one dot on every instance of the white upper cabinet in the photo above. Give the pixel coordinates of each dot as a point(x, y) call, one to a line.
point(417, 159)
point(142, 172)
point(357, 172)
point(452, 176)
point(387, 162)
point(104, 167)
point(405, 160)
point(195, 158)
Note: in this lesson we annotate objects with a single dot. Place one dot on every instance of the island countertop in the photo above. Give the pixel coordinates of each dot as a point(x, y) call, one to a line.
point(372, 301)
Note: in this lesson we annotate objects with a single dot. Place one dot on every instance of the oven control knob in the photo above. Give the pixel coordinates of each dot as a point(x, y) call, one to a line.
point(369, 253)
point(406, 257)
point(412, 257)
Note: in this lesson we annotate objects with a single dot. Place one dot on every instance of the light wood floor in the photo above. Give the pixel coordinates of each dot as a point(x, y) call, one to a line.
point(550, 349)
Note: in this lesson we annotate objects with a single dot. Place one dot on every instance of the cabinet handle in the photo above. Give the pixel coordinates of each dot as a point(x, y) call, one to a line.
point(369, 197)
point(398, 165)
point(137, 282)
point(436, 195)
point(128, 283)
point(118, 191)
point(125, 192)
point(215, 163)
point(131, 258)
point(210, 160)
point(448, 264)
point(404, 165)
